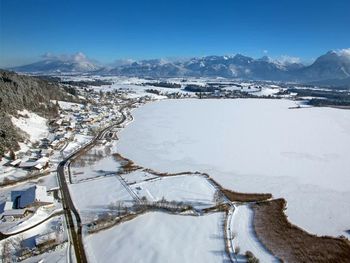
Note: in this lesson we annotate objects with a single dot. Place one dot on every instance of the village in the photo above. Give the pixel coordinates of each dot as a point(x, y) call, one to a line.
point(31, 211)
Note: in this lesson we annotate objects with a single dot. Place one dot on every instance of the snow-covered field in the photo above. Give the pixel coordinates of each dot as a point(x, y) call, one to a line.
point(194, 190)
point(136, 91)
point(253, 145)
point(244, 234)
point(137, 176)
point(96, 162)
point(95, 196)
point(32, 124)
point(160, 237)
point(68, 105)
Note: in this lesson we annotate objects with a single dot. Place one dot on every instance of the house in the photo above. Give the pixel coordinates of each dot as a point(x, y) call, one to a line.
point(46, 152)
point(35, 165)
point(8, 213)
point(15, 162)
point(13, 214)
point(29, 165)
point(33, 196)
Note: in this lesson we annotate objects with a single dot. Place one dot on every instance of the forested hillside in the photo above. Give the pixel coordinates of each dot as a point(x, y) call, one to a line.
point(19, 92)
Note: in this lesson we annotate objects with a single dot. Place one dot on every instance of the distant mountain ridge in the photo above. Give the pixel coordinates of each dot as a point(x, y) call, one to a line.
point(334, 65)
point(56, 64)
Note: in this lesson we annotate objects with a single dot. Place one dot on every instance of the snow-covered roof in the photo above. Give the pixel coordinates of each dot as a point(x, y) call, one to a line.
point(14, 212)
point(15, 162)
point(27, 164)
point(43, 160)
point(39, 166)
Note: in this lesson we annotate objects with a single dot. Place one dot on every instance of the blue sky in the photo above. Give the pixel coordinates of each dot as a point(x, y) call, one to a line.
point(110, 30)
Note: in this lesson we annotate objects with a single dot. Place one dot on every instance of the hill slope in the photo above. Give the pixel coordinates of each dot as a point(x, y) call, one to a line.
point(19, 92)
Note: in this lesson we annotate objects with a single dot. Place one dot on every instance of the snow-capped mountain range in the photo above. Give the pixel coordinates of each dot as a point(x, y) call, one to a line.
point(56, 64)
point(334, 65)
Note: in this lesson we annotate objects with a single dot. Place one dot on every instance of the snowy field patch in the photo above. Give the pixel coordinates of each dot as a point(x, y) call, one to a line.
point(95, 196)
point(32, 124)
point(190, 189)
point(137, 176)
point(160, 237)
point(98, 161)
point(244, 234)
point(253, 145)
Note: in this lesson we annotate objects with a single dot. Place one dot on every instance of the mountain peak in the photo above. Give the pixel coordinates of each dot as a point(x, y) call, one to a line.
point(51, 63)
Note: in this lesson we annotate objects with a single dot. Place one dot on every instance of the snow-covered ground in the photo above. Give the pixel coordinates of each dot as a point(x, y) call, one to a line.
point(27, 239)
point(40, 215)
point(58, 255)
point(137, 176)
point(65, 105)
point(160, 237)
point(253, 145)
point(32, 124)
point(95, 196)
point(78, 141)
point(96, 162)
point(136, 91)
point(244, 234)
point(194, 190)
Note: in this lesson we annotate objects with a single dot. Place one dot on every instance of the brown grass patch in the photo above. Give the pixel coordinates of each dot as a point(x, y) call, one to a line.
point(127, 166)
point(218, 208)
point(150, 171)
point(291, 243)
point(245, 197)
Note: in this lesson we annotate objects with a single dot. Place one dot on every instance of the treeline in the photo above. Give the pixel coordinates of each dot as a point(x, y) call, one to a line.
point(197, 88)
point(324, 97)
point(163, 85)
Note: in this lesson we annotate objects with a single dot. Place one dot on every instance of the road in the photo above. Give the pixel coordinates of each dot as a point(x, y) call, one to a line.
point(68, 206)
point(3, 236)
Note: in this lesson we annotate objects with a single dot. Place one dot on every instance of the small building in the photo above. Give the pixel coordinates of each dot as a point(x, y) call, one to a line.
point(32, 196)
point(13, 214)
point(15, 162)
point(46, 152)
point(29, 165)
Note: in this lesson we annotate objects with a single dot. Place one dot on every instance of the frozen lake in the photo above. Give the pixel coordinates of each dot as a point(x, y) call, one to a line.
point(253, 145)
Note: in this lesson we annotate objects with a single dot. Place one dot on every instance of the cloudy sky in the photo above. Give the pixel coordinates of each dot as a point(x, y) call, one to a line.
point(135, 29)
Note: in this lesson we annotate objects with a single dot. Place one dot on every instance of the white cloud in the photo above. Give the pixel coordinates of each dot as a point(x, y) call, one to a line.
point(265, 51)
point(78, 57)
point(285, 59)
point(343, 52)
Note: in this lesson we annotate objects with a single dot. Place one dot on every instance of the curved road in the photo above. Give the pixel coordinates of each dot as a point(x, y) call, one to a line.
point(68, 205)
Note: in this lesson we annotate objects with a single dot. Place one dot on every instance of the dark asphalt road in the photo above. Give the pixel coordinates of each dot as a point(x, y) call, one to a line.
point(68, 205)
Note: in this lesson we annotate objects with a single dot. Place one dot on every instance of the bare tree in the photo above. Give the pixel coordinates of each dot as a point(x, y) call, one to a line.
point(6, 254)
point(218, 197)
